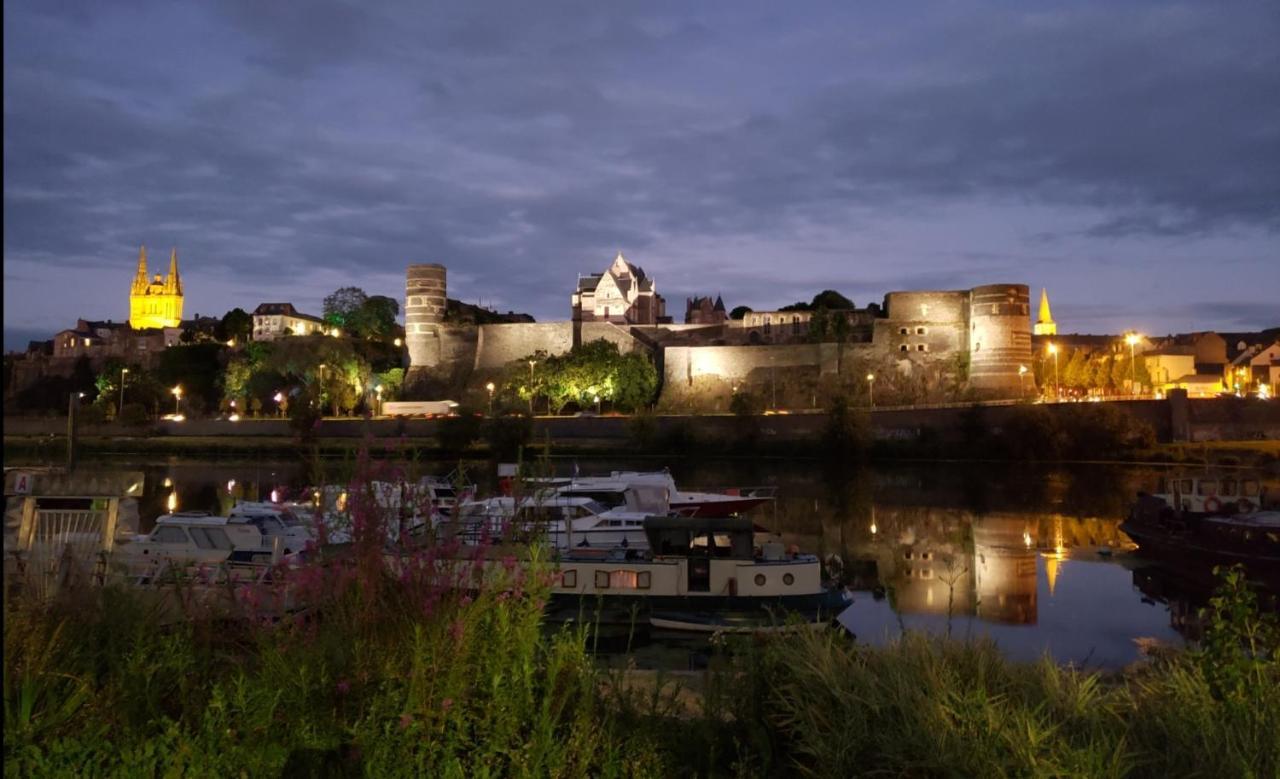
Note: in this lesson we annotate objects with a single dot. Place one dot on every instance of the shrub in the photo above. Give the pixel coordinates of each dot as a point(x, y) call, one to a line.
point(642, 429)
point(845, 434)
point(506, 435)
point(134, 415)
point(457, 433)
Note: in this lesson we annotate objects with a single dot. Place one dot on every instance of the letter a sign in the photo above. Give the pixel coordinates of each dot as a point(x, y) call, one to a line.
point(22, 484)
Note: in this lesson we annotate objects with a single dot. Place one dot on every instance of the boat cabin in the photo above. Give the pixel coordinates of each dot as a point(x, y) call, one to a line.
point(195, 537)
point(1206, 494)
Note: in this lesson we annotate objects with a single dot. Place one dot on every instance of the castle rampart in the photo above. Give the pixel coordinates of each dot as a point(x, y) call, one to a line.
point(999, 337)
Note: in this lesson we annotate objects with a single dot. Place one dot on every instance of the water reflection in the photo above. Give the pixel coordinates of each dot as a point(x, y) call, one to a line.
point(1031, 556)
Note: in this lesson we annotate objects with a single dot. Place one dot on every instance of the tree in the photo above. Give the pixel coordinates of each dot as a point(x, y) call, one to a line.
point(236, 325)
point(342, 304)
point(829, 298)
point(375, 318)
point(596, 369)
point(739, 312)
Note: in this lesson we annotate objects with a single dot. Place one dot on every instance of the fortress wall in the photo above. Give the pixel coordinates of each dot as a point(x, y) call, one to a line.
point(926, 307)
point(615, 334)
point(999, 337)
point(498, 345)
point(684, 364)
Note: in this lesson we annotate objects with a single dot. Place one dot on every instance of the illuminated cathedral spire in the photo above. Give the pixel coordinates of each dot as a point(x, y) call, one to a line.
point(155, 303)
point(1044, 322)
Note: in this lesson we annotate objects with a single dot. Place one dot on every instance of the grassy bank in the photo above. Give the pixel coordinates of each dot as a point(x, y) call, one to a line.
point(419, 675)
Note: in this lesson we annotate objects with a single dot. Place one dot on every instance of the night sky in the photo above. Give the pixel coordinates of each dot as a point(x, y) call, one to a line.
point(1124, 155)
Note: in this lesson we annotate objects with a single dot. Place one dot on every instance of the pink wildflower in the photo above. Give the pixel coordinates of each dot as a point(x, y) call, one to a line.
point(344, 686)
point(405, 721)
point(457, 629)
point(509, 562)
point(446, 704)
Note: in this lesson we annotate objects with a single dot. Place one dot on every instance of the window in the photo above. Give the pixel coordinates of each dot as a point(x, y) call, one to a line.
point(919, 331)
point(768, 327)
point(569, 578)
point(788, 579)
point(760, 580)
point(795, 325)
point(644, 580)
point(922, 348)
point(602, 580)
point(903, 331)
point(169, 535)
point(902, 348)
point(1207, 487)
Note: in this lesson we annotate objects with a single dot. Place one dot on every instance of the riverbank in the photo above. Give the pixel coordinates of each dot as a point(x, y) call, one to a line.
point(405, 679)
point(51, 450)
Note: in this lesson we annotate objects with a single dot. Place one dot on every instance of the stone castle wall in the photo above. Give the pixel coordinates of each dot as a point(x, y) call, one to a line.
point(999, 337)
point(498, 345)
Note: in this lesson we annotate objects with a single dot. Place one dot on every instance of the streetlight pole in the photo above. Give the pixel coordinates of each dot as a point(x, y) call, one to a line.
point(377, 393)
point(1057, 387)
point(871, 388)
point(177, 399)
point(531, 364)
point(1132, 340)
point(490, 387)
point(1022, 384)
point(123, 371)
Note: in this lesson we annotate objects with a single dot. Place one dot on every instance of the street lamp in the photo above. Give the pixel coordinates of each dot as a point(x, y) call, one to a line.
point(597, 405)
point(177, 399)
point(1057, 388)
point(398, 342)
point(491, 388)
point(1022, 384)
point(123, 371)
point(378, 392)
point(278, 398)
point(871, 388)
point(1132, 340)
point(531, 364)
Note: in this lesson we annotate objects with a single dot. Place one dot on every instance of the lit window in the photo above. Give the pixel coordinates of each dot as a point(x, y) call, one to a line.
point(602, 580)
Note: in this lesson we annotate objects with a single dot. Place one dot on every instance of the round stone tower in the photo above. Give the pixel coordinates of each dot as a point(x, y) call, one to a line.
point(999, 338)
point(424, 307)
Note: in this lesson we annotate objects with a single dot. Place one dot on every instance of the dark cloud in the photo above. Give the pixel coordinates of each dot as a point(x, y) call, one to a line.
point(288, 148)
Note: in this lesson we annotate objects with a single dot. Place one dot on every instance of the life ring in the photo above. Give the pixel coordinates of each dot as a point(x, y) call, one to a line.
point(1211, 503)
point(1244, 506)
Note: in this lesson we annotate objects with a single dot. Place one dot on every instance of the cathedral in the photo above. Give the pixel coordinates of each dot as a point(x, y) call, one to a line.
point(156, 303)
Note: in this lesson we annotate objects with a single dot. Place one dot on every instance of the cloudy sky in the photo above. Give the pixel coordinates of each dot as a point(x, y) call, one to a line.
point(1125, 156)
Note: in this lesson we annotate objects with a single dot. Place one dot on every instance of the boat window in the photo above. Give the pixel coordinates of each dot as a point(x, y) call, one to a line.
point(606, 498)
point(218, 537)
point(289, 518)
point(1186, 486)
point(1228, 487)
point(444, 492)
point(202, 541)
point(622, 580)
point(1250, 487)
point(169, 535)
point(1207, 487)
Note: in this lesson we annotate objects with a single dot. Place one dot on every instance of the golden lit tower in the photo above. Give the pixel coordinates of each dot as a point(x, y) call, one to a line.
point(158, 302)
point(1044, 322)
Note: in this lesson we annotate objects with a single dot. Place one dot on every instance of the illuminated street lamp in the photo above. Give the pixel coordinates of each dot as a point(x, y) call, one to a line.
point(123, 371)
point(1057, 388)
point(871, 388)
point(278, 398)
point(177, 399)
point(398, 342)
point(531, 364)
point(378, 392)
point(1132, 340)
point(491, 388)
point(597, 404)
point(1022, 384)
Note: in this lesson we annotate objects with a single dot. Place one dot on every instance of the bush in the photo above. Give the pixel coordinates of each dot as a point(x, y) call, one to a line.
point(507, 435)
point(846, 434)
point(134, 415)
point(642, 428)
point(457, 433)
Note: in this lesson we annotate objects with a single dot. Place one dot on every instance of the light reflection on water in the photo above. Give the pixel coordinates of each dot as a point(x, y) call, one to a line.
point(1087, 612)
point(1031, 557)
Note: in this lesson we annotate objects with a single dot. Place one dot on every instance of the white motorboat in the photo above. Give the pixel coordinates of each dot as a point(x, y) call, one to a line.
point(188, 538)
point(566, 522)
point(656, 492)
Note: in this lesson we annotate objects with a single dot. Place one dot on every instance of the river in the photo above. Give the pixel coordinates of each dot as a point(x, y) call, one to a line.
point(1030, 556)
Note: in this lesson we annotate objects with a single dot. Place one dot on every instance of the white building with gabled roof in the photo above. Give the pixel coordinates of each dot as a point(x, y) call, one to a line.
point(623, 295)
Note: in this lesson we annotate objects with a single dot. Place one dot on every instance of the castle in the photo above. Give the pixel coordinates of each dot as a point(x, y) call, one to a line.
point(983, 333)
point(155, 304)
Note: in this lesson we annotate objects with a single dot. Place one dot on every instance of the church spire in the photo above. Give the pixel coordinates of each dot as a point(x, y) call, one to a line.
point(173, 283)
point(1044, 322)
point(140, 278)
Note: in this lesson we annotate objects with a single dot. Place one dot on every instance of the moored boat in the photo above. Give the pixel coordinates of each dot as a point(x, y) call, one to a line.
point(1252, 538)
point(700, 574)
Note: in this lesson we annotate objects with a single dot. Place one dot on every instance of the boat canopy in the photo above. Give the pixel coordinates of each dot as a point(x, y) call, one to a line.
point(700, 537)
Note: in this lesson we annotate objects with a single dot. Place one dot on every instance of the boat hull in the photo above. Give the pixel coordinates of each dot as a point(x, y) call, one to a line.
point(697, 613)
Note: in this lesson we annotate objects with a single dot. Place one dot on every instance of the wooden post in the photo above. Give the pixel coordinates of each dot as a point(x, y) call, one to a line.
point(71, 431)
